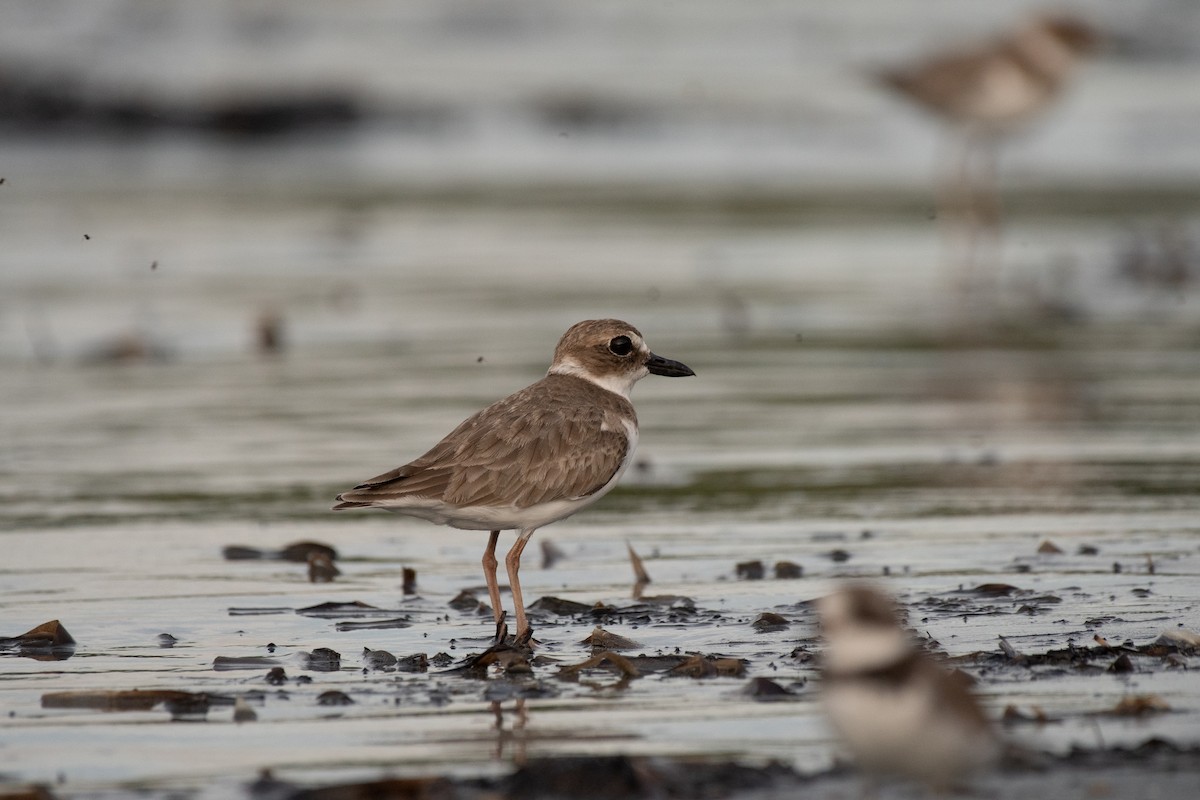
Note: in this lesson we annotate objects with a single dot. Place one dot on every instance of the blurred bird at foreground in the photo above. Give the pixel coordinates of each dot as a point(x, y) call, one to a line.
point(986, 92)
point(897, 710)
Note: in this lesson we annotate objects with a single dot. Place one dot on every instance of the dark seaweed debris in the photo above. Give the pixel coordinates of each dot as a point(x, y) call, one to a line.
point(49, 641)
point(788, 570)
point(750, 570)
point(299, 552)
point(765, 689)
point(620, 777)
point(1101, 658)
point(176, 702)
point(352, 609)
point(600, 639)
point(768, 622)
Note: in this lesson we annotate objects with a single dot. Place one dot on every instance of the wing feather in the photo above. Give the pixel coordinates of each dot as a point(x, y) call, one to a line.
point(536, 446)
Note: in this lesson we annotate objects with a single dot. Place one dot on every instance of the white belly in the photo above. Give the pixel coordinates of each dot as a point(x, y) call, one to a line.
point(503, 518)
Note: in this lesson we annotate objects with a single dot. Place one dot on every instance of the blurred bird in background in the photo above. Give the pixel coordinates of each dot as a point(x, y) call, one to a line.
point(986, 93)
point(898, 711)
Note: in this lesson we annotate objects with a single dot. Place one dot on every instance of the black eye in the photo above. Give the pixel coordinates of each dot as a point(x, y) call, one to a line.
point(621, 346)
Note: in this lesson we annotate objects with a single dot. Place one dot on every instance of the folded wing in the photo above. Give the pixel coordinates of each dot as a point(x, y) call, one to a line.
point(533, 447)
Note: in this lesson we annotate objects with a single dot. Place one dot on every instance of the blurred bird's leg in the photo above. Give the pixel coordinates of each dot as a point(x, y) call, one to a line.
point(954, 210)
point(988, 220)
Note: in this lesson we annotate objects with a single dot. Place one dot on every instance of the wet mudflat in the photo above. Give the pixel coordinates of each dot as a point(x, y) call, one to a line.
point(1014, 536)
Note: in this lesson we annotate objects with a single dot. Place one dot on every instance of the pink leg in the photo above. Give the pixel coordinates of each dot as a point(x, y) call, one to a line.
point(489, 574)
point(513, 562)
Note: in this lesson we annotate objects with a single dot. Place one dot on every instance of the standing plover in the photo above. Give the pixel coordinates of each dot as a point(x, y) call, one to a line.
point(987, 92)
point(1001, 83)
point(898, 711)
point(533, 458)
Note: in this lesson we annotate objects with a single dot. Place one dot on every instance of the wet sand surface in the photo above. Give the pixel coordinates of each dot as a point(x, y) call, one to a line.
point(122, 540)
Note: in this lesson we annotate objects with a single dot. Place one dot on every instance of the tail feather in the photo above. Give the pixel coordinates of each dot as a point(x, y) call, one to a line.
point(344, 504)
point(401, 483)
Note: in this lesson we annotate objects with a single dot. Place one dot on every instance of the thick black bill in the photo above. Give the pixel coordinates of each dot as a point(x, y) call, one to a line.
point(665, 366)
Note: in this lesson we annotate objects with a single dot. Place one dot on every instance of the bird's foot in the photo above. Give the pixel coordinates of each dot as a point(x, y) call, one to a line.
point(525, 641)
point(501, 629)
point(510, 652)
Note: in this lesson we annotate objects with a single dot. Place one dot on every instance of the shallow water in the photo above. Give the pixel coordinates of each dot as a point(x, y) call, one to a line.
point(133, 478)
point(847, 398)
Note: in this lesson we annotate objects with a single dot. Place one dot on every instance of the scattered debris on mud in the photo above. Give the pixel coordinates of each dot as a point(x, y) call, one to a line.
point(49, 641)
point(299, 552)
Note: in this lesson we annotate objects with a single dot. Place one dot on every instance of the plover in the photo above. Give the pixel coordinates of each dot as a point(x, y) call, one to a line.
point(1001, 83)
point(987, 92)
point(898, 711)
point(533, 458)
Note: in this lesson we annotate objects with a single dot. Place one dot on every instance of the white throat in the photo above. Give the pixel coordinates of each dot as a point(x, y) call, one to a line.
point(621, 384)
point(862, 649)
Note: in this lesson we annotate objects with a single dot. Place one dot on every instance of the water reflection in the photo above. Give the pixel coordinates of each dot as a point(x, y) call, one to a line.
point(512, 738)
